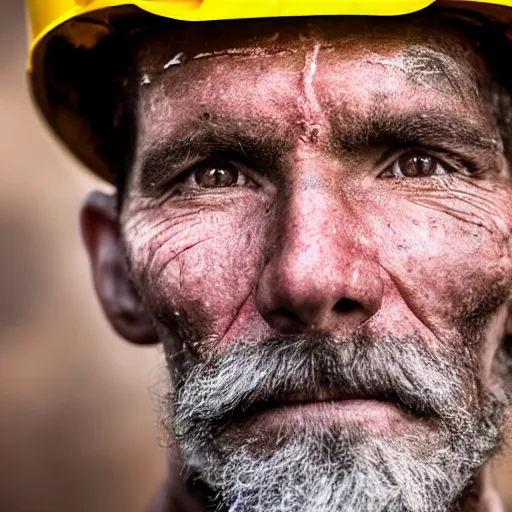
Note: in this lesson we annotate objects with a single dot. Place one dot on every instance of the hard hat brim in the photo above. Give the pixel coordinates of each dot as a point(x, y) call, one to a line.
point(84, 23)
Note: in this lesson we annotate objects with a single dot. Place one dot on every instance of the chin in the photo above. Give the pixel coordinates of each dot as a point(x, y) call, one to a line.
point(352, 467)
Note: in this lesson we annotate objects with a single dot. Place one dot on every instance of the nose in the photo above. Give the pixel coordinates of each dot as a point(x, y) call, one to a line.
point(320, 273)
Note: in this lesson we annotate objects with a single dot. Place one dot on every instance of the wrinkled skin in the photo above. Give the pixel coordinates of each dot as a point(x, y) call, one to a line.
point(323, 234)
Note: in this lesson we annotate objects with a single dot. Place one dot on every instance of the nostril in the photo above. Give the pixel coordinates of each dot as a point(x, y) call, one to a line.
point(287, 315)
point(347, 306)
point(286, 320)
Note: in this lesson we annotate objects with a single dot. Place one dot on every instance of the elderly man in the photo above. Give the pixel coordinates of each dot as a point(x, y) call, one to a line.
point(313, 216)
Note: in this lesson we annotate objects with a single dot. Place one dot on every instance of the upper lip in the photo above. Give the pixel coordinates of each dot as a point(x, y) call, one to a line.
point(327, 395)
point(297, 398)
point(335, 395)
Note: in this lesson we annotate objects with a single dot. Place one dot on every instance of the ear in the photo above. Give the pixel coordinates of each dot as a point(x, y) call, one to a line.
point(99, 222)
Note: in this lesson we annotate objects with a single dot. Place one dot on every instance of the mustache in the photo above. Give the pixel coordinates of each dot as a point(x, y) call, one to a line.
point(283, 369)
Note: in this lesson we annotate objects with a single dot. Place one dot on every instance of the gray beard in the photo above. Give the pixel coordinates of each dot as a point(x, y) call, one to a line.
point(327, 468)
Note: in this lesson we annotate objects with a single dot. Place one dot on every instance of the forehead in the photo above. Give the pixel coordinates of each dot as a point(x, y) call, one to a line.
point(272, 74)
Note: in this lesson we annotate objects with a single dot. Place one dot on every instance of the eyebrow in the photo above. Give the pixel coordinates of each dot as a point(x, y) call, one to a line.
point(262, 147)
point(429, 128)
point(255, 143)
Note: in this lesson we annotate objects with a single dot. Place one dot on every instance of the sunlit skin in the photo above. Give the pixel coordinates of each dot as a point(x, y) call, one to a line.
point(367, 189)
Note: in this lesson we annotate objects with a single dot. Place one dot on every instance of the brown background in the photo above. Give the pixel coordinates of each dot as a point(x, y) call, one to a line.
point(78, 430)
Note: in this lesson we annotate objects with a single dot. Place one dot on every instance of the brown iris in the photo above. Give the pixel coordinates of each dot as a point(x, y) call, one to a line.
point(415, 165)
point(216, 177)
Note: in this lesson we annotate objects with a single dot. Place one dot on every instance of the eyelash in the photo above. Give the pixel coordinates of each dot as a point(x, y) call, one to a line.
point(179, 184)
point(451, 163)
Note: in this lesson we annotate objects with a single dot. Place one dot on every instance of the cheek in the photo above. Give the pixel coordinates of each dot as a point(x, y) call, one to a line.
point(198, 262)
point(449, 260)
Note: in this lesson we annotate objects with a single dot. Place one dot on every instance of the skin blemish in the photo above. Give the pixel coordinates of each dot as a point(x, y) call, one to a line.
point(311, 182)
point(308, 103)
point(175, 61)
point(145, 80)
point(429, 68)
point(256, 52)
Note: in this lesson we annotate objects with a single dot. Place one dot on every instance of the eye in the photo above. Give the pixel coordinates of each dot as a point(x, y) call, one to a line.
point(417, 165)
point(216, 176)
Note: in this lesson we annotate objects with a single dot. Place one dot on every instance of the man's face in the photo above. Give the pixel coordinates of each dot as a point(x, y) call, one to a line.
point(318, 221)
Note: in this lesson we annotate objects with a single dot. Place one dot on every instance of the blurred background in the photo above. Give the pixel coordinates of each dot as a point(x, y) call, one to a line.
point(78, 427)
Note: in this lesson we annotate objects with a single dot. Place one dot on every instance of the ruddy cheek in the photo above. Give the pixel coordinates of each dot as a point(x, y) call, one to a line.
point(445, 268)
point(199, 264)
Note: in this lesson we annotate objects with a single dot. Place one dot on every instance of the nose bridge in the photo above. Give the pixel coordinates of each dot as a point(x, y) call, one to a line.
point(320, 273)
point(319, 242)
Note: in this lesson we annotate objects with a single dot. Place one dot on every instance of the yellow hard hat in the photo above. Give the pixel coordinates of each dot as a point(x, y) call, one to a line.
point(85, 23)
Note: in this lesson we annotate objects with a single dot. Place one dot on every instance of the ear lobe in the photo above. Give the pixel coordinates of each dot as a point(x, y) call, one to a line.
point(99, 222)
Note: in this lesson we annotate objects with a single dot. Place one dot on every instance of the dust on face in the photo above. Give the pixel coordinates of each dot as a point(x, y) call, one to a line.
point(340, 182)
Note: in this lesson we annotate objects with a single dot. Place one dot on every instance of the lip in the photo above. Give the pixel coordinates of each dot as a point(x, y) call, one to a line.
point(377, 416)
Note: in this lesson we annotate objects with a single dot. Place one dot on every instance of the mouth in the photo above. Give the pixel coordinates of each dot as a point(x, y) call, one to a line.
point(382, 414)
point(370, 413)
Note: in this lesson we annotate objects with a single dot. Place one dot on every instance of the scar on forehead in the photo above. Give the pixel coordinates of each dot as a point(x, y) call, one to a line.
point(430, 68)
point(249, 52)
point(308, 103)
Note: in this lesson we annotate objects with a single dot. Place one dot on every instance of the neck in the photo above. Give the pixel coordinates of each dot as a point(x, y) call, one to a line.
point(179, 493)
point(176, 495)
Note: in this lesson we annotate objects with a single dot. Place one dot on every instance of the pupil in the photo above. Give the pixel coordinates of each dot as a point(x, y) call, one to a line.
point(210, 178)
point(219, 176)
point(417, 165)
